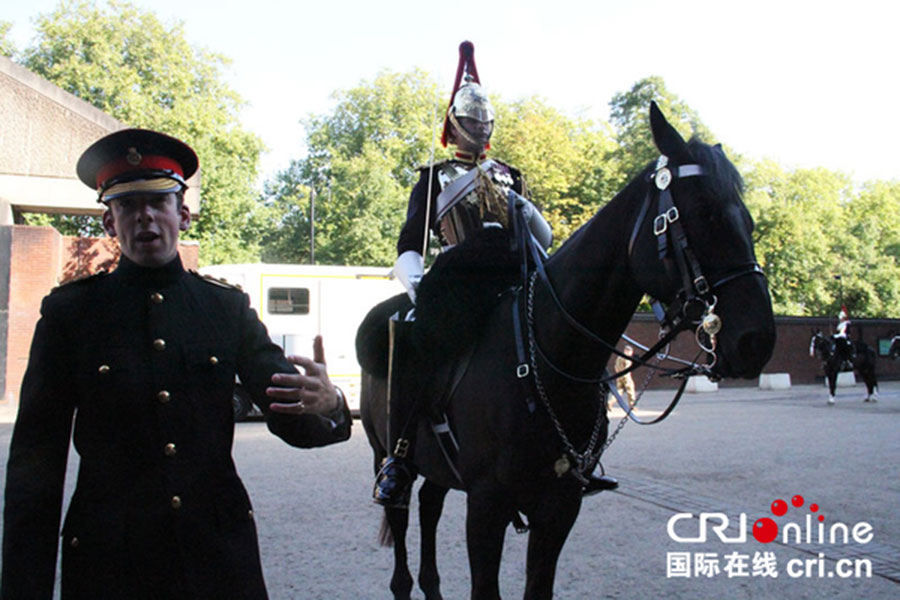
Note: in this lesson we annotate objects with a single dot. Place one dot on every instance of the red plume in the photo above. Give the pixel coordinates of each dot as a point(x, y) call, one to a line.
point(466, 65)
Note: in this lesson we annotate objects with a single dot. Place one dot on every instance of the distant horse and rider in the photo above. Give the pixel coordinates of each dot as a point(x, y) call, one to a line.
point(840, 354)
point(526, 403)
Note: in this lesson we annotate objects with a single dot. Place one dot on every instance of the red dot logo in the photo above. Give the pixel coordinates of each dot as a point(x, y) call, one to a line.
point(765, 530)
point(779, 508)
point(797, 501)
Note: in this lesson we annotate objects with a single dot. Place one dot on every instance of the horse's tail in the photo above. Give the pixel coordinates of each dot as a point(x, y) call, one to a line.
point(385, 539)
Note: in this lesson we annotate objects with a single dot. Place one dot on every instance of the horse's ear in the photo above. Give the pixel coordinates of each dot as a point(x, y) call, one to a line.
point(666, 137)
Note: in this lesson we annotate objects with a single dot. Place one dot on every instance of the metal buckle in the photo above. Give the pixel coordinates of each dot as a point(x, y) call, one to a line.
point(522, 371)
point(402, 448)
point(672, 214)
point(660, 225)
point(661, 222)
point(701, 285)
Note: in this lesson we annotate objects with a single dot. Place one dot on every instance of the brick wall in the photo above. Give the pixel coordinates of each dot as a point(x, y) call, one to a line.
point(39, 259)
point(791, 353)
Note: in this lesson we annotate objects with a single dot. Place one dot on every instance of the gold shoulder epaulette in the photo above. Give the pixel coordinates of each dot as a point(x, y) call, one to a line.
point(219, 281)
point(80, 280)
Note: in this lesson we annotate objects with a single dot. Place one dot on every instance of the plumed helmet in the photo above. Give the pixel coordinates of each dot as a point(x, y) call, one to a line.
point(468, 98)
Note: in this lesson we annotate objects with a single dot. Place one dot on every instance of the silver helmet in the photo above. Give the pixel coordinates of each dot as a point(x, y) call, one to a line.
point(471, 101)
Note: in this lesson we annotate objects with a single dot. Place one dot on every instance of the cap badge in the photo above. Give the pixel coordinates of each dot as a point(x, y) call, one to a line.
point(134, 157)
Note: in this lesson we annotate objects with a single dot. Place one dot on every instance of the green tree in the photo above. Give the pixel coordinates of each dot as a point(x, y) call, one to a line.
point(361, 160)
point(629, 118)
point(801, 236)
point(364, 155)
point(567, 162)
point(133, 67)
point(7, 47)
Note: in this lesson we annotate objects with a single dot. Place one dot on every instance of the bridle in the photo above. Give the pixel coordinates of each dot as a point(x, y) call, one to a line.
point(695, 302)
point(693, 308)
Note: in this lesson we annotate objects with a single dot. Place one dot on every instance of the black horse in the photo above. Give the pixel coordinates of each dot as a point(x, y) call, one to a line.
point(679, 233)
point(843, 354)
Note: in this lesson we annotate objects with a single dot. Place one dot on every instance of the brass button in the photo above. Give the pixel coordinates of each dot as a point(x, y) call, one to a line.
point(156, 298)
point(250, 513)
point(170, 449)
point(74, 542)
point(213, 360)
point(163, 396)
point(159, 344)
point(103, 370)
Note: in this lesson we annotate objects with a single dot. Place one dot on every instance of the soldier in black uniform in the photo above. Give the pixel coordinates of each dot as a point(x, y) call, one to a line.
point(144, 359)
point(458, 199)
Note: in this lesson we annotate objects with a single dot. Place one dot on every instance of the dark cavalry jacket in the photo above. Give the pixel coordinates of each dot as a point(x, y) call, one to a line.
point(146, 360)
point(412, 235)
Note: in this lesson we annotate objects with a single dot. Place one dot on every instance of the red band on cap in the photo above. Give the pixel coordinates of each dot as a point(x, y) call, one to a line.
point(148, 163)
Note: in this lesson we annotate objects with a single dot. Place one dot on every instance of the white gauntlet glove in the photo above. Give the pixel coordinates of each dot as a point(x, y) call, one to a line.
point(409, 268)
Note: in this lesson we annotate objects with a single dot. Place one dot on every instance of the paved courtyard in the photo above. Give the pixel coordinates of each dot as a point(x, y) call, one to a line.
point(734, 451)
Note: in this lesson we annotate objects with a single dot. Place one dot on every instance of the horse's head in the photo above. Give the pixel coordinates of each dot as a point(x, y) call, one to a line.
point(894, 352)
point(692, 248)
point(819, 345)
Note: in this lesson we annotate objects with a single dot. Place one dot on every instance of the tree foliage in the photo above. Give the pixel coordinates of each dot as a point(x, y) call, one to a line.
point(628, 115)
point(133, 67)
point(823, 242)
point(361, 161)
point(7, 47)
point(363, 155)
point(567, 162)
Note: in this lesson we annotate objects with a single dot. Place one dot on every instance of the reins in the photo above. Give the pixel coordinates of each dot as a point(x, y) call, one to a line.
point(695, 308)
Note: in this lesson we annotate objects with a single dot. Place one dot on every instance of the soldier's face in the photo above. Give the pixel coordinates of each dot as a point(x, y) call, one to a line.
point(147, 226)
point(479, 131)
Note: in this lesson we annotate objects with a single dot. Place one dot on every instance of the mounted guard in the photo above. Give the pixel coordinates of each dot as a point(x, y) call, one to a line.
point(843, 345)
point(465, 203)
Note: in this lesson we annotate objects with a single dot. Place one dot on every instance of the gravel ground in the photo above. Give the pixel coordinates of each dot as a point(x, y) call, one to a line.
point(731, 451)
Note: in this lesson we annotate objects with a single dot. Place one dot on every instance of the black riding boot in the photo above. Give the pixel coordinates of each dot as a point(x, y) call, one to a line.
point(393, 483)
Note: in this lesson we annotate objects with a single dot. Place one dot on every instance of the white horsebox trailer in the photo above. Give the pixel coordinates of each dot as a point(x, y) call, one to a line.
point(298, 302)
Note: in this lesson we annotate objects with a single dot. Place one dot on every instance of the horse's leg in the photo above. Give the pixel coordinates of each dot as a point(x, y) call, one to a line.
point(401, 581)
point(832, 375)
point(487, 516)
point(431, 504)
point(868, 375)
point(550, 526)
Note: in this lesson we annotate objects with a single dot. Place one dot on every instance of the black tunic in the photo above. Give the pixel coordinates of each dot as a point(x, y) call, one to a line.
point(145, 359)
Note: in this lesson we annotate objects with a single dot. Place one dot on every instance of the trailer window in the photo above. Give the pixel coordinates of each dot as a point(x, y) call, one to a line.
point(288, 301)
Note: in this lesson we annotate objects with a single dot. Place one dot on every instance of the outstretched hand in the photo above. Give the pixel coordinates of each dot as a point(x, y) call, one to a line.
point(309, 392)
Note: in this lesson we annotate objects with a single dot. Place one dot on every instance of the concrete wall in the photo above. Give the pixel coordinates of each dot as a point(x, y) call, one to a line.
point(44, 131)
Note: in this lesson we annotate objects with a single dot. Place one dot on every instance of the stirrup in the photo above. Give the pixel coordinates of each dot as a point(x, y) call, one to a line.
point(393, 484)
point(597, 484)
